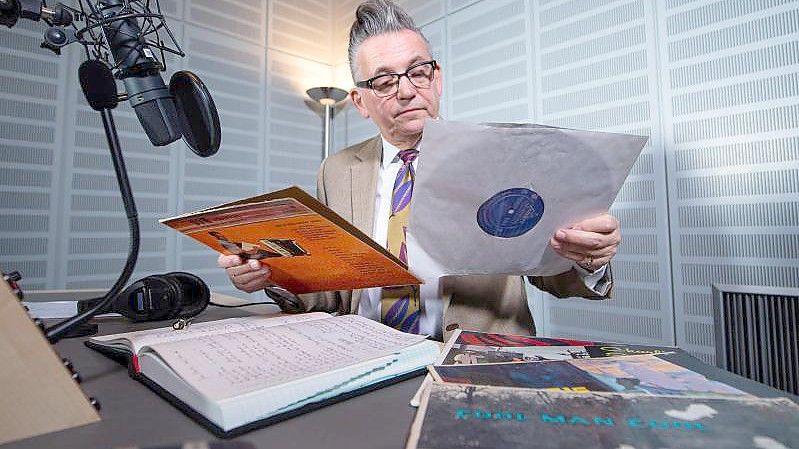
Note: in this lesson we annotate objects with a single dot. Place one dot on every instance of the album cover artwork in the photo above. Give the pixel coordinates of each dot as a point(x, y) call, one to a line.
point(455, 416)
point(620, 349)
point(473, 355)
point(470, 348)
point(632, 374)
point(556, 374)
point(652, 375)
point(466, 337)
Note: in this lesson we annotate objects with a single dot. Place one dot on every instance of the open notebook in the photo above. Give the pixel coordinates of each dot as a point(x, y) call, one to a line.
point(238, 374)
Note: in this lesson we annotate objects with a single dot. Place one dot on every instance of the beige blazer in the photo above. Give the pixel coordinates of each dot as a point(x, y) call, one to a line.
point(347, 183)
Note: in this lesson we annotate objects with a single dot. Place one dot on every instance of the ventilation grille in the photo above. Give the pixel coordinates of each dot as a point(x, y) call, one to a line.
point(756, 333)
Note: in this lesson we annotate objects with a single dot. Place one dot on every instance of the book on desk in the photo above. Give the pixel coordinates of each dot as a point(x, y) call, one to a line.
point(239, 374)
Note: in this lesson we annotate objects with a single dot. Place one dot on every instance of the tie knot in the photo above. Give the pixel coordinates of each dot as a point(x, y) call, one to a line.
point(408, 156)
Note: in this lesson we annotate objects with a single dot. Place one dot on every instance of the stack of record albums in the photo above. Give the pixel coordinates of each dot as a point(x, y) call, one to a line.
point(507, 391)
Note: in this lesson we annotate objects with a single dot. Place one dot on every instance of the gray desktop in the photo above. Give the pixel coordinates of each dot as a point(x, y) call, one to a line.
point(134, 416)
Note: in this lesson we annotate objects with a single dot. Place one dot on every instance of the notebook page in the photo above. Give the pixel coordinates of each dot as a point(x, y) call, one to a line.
point(260, 404)
point(226, 365)
point(140, 339)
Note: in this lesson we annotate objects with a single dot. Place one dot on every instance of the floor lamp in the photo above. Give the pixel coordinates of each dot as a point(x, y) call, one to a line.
point(328, 97)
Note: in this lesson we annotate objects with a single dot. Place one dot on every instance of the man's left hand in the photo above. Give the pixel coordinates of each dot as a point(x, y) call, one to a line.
point(590, 243)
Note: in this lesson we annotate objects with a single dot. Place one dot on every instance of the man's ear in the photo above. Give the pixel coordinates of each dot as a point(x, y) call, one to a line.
point(357, 100)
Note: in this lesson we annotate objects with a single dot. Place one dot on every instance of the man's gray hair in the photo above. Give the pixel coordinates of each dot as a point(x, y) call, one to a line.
point(373, 18)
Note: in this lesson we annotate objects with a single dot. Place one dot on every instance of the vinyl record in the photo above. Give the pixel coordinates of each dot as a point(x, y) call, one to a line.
point(510, 213)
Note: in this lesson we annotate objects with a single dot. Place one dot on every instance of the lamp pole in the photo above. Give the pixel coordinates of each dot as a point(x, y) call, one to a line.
point(328, 97)
point(328, 129)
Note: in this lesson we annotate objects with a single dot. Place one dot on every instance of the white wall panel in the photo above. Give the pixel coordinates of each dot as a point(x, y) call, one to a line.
point(343, 16)
point(597, 71)
point(242, 19)
point(423, 11)
point(234, 71)
point(436, 34)
point(488, 62)
point(454, 5)
point(32, 116)
point(295, 126)
point(729, 89)
point(303, 28)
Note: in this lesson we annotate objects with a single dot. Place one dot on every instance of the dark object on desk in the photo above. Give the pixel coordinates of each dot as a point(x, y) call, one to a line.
point(456, 416)
point(82, 330)
point(159, 297)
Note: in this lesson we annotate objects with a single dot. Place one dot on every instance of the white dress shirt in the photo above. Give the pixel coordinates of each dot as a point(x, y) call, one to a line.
point(432, 312)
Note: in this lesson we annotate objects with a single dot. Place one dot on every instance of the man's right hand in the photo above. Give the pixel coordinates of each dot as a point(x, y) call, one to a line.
point(247, 275)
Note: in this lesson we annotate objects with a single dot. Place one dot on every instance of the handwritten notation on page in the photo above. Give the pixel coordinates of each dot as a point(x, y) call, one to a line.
point(141, 339)
point(224, 365)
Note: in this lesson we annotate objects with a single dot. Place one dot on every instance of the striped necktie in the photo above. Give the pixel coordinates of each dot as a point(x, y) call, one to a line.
point(399, 306)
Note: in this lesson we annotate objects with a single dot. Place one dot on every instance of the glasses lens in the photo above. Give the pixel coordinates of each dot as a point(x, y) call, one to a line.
point(421, 76)
point(384, 85)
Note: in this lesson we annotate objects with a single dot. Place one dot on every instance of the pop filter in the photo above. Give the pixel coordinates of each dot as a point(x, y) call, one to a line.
point(98, 84)
point(197, 115)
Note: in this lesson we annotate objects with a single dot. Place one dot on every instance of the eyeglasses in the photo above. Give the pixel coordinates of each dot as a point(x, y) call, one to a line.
point(420, 75)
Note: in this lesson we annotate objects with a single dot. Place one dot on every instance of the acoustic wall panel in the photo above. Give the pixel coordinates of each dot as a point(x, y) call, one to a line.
point(31, 119)
point(234, 71)
point(489, 62)
point(351, 128)
point(172, 9)
point(423, 11)
point(343, 16)
point(597, 72)
point(454, 5)
point(295, 121)
point(436, 34)
point(302, 27)
point(240, 19)
point(348, 124)
point(730, 73)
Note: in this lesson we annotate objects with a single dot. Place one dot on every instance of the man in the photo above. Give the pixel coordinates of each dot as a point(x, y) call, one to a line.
point(399, 87)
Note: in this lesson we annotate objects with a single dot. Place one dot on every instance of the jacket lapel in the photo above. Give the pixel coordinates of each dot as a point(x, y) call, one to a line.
point(363, 176)
point(364, 184)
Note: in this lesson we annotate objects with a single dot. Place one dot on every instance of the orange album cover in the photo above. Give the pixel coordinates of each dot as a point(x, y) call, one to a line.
point(308, 247)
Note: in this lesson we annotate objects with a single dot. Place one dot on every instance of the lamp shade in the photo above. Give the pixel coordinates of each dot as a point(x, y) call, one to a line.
point(327, 95)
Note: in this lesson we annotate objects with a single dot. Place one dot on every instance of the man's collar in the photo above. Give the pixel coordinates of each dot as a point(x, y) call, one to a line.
point(390, 152)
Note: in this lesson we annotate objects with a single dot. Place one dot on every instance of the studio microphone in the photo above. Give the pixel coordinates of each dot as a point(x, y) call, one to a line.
point(138, 69)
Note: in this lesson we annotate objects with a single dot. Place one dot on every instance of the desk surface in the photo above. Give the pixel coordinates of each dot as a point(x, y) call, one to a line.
point(132, 415)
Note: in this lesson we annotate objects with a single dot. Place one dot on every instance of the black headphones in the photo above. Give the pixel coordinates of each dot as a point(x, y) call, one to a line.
point(158, 297)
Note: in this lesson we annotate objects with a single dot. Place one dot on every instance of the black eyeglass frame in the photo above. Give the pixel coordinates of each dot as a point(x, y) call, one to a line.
point(368, 83)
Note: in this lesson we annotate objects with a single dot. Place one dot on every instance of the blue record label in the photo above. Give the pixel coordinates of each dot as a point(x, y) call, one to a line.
point(510, 213)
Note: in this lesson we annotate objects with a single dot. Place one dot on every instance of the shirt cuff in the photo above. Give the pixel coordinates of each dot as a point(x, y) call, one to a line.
point(595, 281)
point(287, 301)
